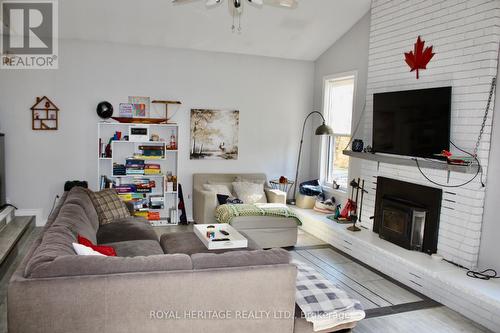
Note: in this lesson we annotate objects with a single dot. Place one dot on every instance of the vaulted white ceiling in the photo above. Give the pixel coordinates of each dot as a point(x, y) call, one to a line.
point(301, 33)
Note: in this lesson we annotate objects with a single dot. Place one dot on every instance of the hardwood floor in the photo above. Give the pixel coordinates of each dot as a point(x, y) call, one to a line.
point(390, 307)
point(435, 320)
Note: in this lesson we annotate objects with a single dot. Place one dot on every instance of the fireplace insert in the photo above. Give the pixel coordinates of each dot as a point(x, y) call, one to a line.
point(407, 214)
point(403, 223)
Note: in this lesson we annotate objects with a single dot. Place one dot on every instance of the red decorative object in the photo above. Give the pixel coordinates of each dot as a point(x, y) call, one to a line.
point(106, 250)
point(420, 57)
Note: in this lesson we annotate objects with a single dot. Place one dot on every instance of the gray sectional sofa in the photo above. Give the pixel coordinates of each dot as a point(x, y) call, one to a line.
point(143, 290)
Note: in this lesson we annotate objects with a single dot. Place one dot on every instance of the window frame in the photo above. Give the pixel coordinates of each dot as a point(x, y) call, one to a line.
point(325, 141)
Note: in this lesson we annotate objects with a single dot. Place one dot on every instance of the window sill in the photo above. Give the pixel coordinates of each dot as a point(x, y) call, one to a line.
point(339, 194)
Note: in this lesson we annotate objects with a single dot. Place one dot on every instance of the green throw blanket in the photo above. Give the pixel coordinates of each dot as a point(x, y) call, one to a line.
point(225, 213)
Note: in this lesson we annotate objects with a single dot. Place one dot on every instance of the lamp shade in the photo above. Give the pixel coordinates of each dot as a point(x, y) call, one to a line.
point(324, 130)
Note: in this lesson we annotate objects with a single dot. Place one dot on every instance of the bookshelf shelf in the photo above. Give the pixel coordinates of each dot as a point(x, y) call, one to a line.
point(123, 149)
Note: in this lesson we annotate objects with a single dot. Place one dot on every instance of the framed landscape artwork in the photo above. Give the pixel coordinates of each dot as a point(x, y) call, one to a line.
point(214, 134)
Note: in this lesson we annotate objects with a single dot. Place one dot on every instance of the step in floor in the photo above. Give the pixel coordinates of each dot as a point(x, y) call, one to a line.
point(11, 233)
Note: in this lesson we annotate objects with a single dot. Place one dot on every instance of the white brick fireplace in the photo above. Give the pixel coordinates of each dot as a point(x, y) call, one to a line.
point(465, 36)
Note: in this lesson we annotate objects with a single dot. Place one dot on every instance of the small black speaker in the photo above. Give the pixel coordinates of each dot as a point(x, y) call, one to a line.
point(104, 110)
point(357, 145)
point(73, 183)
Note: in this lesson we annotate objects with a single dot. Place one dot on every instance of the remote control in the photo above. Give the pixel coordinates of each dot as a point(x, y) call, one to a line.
point(224, 232)
point(220, 239)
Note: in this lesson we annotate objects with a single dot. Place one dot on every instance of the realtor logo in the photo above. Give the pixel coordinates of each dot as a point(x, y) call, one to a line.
point(29, 35)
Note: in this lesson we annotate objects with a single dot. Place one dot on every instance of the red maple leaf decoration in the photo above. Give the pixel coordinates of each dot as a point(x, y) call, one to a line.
point(420, 57)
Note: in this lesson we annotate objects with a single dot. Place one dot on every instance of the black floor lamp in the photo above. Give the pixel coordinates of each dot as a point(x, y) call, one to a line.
point(324, 129)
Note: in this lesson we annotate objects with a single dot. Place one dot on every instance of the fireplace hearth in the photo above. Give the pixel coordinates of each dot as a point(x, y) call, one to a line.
point(407, 214)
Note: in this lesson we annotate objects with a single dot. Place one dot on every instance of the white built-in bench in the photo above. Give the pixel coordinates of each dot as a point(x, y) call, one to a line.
point(476, 299)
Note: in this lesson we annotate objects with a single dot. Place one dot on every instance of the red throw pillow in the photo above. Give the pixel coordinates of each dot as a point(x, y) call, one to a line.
point(106, 250)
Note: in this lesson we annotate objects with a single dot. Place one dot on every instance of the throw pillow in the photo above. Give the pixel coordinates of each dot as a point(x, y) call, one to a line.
point(106, 250)
point(83, 250)
point(109, 206)
point(226, 199)
point(222, 199)
point(218, 188)
point(250, 193)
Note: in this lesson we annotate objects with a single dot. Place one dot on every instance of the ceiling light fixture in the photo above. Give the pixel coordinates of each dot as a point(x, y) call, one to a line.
point(236, 7)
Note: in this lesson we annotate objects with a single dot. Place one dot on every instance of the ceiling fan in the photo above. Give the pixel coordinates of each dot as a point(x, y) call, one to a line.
point(236, 6)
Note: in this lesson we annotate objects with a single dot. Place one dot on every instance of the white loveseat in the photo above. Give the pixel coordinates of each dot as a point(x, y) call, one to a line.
point(266, 231)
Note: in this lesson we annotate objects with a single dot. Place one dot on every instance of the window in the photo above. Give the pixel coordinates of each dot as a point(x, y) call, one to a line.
point(337, 109)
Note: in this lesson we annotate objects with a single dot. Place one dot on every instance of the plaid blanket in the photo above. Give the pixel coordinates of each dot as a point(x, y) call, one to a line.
point(225, 213)
point(323, 304)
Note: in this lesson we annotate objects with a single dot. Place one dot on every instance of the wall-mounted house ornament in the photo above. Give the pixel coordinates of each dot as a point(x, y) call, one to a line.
point(45, 115)
point(419, 57)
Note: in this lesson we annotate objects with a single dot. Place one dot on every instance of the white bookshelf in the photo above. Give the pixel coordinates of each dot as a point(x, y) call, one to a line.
point(121, 150)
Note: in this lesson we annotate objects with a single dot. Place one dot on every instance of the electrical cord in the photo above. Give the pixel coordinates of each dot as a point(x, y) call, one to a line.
point(356, 127)
point(54, 204)
point(479, 171)
point(486, 274)
point(8, 205)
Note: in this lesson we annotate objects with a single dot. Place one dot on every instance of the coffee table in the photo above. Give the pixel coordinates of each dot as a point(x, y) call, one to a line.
point(233, 240)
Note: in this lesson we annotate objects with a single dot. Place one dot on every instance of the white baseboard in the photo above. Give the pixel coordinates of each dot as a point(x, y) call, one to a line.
point(38, 213)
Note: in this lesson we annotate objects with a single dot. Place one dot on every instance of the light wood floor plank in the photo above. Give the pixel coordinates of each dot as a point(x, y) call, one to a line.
point(435, 320)
point(391, 292)
point(330, 256)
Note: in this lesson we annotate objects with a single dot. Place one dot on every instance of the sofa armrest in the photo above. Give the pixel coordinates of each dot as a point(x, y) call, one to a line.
point(275, 196)
point(204, 205)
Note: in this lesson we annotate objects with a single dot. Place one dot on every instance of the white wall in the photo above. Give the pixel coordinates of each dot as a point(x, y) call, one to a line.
point(349, 53)
point(490, 245)
point(273, 96)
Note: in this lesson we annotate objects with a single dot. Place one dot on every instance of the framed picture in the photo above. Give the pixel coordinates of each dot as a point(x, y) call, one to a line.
point(214, 134)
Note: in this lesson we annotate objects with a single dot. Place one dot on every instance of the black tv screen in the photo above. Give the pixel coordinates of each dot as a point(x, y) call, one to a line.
point(413, 122)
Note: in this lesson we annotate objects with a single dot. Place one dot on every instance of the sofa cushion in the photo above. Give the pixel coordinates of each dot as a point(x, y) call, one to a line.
point(80, 196)
point(56, 241)
point(99, 265)
point(108, 205)
point(127, 229)
point(73, 217)
point(136, 248)
point(218, 189)
point(250, 193)
point(240, 259)
point(263, 222)
point(188, 243)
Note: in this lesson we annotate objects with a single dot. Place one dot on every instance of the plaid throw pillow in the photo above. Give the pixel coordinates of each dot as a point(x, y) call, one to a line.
point(108, 205)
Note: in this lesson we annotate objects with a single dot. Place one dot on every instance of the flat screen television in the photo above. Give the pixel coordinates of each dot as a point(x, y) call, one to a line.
point(2, 171)
point(413, 122)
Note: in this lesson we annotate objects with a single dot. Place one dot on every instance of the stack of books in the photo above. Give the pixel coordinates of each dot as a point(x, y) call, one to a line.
point(119, 169)
point(144, 185)
point(141, 214)
point(106, 183)
point(153, 216)
point(125, 188)
point(152, 169)
point(134, 166)
point(156, 202)
point(153, 151)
